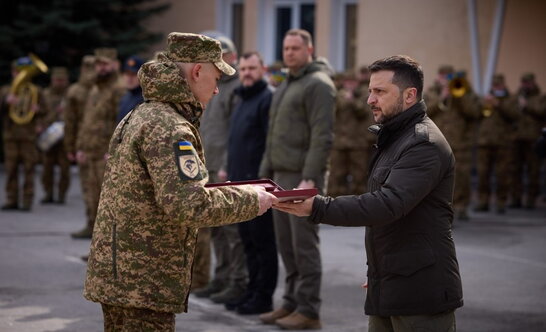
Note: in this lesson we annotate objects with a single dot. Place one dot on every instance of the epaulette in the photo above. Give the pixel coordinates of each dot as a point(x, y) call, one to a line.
point(421, 132)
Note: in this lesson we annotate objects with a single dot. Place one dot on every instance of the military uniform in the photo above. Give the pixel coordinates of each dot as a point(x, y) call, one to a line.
point(457, 118)
point(531, 117)
point(76, 98)
point(495, 138)
point(154, 199)
point(56, 155)
point(98, 124)
point(349, 156)
point(20, 142)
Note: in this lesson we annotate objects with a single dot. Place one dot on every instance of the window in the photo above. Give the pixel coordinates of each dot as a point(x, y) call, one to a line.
point(291, 15)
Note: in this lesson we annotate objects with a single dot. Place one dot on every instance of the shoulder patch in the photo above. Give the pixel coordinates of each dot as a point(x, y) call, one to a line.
point(421, 132)
point(187, 161)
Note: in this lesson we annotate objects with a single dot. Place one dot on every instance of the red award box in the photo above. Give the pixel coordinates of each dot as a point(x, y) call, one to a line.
point(272, 187)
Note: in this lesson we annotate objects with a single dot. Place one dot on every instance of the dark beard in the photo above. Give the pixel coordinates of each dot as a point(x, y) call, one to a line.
point(101, 78)
point(397, 109)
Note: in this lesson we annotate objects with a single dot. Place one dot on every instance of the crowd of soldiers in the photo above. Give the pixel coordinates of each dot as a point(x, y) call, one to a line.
point(495, 136)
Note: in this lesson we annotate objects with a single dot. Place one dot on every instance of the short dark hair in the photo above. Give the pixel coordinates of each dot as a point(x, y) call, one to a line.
point(248, 54)
point(407, 72)
point(304, 34)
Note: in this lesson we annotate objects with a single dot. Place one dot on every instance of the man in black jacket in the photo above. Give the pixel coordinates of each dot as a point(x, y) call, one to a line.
point(246, 145)
point(413, 274)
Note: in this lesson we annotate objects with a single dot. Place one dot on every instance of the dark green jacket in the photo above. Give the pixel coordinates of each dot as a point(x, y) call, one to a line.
point(301, 121)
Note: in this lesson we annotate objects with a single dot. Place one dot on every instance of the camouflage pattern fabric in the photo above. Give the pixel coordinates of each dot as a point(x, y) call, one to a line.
point(192, 48)
point(118, 319)
point(152, 207)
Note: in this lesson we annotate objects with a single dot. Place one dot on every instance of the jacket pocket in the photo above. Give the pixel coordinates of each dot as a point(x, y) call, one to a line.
point(408, 263)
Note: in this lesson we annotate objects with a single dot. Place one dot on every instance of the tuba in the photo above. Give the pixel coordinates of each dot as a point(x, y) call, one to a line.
point(458, 85)
point(22, 111)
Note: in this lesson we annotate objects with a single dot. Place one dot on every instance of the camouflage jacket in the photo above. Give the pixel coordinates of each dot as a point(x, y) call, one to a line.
point(352, 118)
point(73, 112)
point(153, 200)
point(531, 118)
point(457, 118)
point(99, 118)
point(55, 105)
point(496, 125)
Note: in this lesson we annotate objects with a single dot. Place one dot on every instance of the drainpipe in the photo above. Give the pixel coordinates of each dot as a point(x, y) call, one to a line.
point(474, 46)
point(494, 45)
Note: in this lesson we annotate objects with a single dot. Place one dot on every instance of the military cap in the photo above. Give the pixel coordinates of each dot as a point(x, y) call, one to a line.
point(193, 48)
point(227, 45)
point(106, 54)
point(133, 64)
point(23, 62)
point(445, 69)
point(528, 77)
point(59, 72)
point(88, 60)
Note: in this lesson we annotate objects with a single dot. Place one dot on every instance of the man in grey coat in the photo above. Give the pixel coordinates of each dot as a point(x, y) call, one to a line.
point(413, 274)
point(298, 144)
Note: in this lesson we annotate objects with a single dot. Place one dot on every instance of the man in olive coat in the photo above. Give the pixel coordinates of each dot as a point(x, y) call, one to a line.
point(413, 274)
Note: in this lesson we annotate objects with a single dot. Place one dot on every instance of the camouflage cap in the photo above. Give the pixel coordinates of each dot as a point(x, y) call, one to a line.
point(88, 60)
point(59, 72)
point(528, 77)
point(193, 48)
point(106, 54)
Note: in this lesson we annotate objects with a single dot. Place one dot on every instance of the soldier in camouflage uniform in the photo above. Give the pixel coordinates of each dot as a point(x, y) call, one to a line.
point(495, 138)
point(20, 139)
point(349, 151)
point(154, 199)
point(98, 124)
point(457, 117)
point(73, 117)
point(531, 116)
point(54, 96)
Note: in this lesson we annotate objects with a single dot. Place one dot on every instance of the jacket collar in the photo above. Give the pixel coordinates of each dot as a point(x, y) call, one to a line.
point(391, 129)
point(250, 91)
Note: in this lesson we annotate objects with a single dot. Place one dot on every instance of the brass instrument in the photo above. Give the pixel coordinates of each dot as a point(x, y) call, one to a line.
point(22, 111)
point(458, 86)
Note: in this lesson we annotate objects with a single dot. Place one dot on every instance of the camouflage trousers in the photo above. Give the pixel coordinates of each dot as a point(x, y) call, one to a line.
point(525, 162)
point(93, 183)
point(56, 156)
point(345, 162)
point(83, 170)
point(493, 159)
point(463, 166)
point(16, 153)
point(201, 263)
point(119, 319)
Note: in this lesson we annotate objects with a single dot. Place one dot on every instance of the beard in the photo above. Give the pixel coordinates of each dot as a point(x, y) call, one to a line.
point(394, 110)
point(103, 77)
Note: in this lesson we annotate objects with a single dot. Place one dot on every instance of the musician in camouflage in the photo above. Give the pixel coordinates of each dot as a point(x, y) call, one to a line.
point(153, 198)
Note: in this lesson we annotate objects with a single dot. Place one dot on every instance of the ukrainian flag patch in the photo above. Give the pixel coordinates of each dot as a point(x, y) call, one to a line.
point(187, 161)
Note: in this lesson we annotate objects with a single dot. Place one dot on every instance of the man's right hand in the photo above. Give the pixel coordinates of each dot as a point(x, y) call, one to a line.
point(265, 199)
point(81, 157)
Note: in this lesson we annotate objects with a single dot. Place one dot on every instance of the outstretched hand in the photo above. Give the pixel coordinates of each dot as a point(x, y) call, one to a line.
point(300, 209)
point(266, 199)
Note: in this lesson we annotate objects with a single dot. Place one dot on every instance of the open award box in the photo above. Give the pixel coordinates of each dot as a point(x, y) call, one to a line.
point(270, 186)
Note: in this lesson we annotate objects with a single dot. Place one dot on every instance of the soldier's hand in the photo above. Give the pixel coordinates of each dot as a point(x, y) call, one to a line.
point(71, 156)
point(12, 99)
point(222, 175)
point(266, 199)
point(80, 157)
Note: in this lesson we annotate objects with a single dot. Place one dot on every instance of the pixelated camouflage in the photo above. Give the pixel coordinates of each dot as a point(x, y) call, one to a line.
point(146, 228)
point(193, 48)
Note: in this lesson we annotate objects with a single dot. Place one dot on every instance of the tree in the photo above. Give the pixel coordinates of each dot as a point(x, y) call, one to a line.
point(61, 32)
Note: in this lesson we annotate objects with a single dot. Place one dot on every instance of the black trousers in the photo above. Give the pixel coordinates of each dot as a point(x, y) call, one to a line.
point(258, 237)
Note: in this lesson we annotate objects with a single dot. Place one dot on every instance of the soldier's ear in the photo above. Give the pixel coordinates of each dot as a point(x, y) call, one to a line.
point(195, 71)
point(410, 95)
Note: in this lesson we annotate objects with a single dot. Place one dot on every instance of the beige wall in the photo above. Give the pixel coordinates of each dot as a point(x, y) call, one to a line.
point(322, 27)
point(433, 32)
point(250, 23)
point(183, 16)
point(523, 46)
